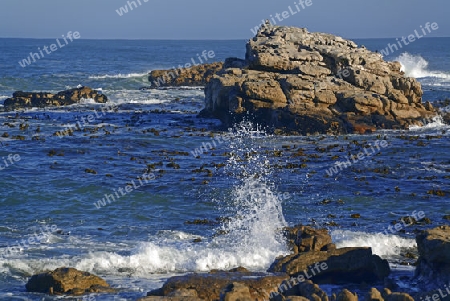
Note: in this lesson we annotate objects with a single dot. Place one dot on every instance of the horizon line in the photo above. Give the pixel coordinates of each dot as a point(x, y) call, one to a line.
point(234, 39)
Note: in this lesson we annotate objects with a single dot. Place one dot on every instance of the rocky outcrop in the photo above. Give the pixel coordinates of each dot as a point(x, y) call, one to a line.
point(434, 256)
point(221, 285)
point(67, 281)
point(22, 100)
point(336, 266)
point(316, 258)
point(195, 76)
point(307, 83)
point(304, 239)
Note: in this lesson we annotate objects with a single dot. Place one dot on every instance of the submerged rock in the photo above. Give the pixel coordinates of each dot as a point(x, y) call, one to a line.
point(22, 100)
point(68, 281)
point(311, 83)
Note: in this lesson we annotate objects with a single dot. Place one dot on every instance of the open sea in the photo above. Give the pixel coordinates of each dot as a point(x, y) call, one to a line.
point(136, 195)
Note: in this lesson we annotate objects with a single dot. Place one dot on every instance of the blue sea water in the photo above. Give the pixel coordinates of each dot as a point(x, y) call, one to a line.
point(245, 189)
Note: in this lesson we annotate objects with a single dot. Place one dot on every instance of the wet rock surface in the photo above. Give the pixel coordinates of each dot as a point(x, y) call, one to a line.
point(221, 285)
point(21, 100)
point(434, 256)
point(318, 259)
point(67, 281)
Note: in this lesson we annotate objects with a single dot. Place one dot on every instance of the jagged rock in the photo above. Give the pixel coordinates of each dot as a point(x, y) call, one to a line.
point(346, 295)
point(434, 255)
point(311, 291)
point(184, 293)
point(44, 99)
point(213, 285)
point(194, 76)
point(236, 292)
point(310, 83)
point(67, 281)
point(305, 239)
point(399, 297)
point(296, 298)
point(334, 266)
point(373, 295)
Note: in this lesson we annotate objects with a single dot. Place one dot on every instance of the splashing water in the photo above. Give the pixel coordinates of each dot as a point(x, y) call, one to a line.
point(381, 244)
point(436, 122)
point(257, 209)
point(252, 235)
point(416, 66)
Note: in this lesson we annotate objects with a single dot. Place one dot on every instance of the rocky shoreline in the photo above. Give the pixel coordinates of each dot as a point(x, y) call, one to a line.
point(315, 260)
point(293, 82)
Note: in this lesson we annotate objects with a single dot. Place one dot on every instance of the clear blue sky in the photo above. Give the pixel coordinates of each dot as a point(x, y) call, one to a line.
point(212, 19)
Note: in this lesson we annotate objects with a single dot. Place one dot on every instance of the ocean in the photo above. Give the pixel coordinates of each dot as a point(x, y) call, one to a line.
point(145, 189)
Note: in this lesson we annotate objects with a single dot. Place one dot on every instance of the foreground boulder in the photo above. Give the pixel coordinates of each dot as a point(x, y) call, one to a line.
point(336, 266)
point(67, 281)
point(220, 285)
point(307, 83)
point(316, 258)
point(195, 76)
point(22, 100)
point(434, 256)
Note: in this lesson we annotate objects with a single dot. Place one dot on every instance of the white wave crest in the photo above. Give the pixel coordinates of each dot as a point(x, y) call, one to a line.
point(416, 66)
point(381, 244)
point(120, 75)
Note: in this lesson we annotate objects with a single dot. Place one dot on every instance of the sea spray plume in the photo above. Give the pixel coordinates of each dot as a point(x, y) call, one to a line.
point(251, 238)
point(256, 211)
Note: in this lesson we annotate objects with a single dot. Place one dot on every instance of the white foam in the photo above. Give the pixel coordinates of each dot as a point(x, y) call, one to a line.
point(87, 101)
point(120, 75)
point(434, 123)
point(252, 237)
point(381, 244)
point(416, 66)
point(149, 101)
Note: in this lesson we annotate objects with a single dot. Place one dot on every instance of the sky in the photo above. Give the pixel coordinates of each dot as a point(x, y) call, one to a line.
point(217, 20)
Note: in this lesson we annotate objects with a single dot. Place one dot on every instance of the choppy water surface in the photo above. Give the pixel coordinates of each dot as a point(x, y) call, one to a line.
point(178, 206)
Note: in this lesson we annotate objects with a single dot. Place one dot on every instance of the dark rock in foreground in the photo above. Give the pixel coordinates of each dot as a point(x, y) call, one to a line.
point(67, 281)
point(22, 100)
point(308, 83)
point(213, 285)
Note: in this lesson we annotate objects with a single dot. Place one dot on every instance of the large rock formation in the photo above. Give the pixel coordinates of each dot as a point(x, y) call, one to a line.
point(22, 100)
point(434, 260)
point(67, 281)
point(195, 76)
point(310, 83)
